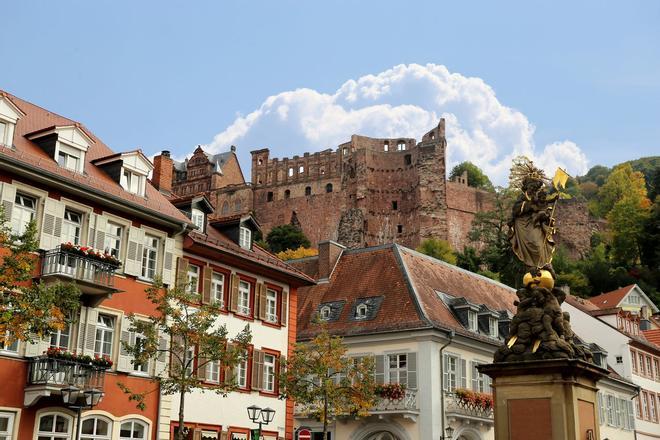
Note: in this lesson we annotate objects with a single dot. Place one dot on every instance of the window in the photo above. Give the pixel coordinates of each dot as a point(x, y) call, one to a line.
point(10, 344)
point(633, 358)
point(71, 227)
point(60, 338)
point(642, 370)
point(480, 382)
point(472, 321)
point(3, 133)
point(386, 146)
point(189, 361)
point(96, 428)
point(656, 367)
point(395, 205)
point(398, 368)
point(328, 188)
point(269, 373)
point(149, 257)
point(54, 427)
point(218, 289)
point(133, 430)
point(241, 371)
point(645, 404)
point(113, 234)
point(344, 150)
point(399, 229)
point(245, 238)
point(25, 210)
point(619, 359)
point(610, 408)
point(451, 373)
point(225, 208)
point(290, 172)
point(67, 160)
point(308, 190)
point(361, 311)
point(649, 366)
point(105, 329)
point(324, 313)
point(197, 218)
point(407, 159)
point(271, 305)
point(244, 297)
point(400, 146)
point(301, 169)
point(140, 341)
point(193, 279)
point(322, 171)
point(492, 327)
point(269, 196)
point(633, 298)
point(132, 182)
point(653, 412)
point(237, 205)
point(6, 418)
point(287, 194)
point(213, 372)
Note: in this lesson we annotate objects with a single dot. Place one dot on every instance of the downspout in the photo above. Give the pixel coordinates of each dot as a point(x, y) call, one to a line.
point(442, 384)
point(638, 390)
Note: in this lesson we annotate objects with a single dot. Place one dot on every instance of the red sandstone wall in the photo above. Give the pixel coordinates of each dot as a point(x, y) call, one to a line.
point(462, 203)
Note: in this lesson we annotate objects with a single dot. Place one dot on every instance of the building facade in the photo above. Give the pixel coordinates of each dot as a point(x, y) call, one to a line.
point(55, 172)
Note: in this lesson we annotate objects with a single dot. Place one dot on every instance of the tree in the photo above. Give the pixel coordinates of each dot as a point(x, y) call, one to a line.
point(439, 249)
point(284, 237)
point(476, 177)
point(29, 310)
point(301, 252)
point(622, 183)
point(195, 341)
point(468, 259)
point(596, 174)
point(327, 383)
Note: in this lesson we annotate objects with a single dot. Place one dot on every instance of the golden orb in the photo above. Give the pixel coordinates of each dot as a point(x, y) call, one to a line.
point(544, 280)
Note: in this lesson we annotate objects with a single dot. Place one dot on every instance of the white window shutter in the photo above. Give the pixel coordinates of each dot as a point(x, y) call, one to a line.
point(380, 369)
point(7, 198)
point(133, 261)
point(168, 262)
point(91, 234)
point(51, 225)
point(445, 372)
point(601, 409)
point(90, 331)
point(463, 373)
point(412, 370)
point(475, 376)
point(161, 359)
point(126, 336)
point(81, 328)
point(101, 226)
point(37, 347)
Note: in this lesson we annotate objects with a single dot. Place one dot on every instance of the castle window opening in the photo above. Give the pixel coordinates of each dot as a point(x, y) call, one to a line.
point(399, 229)
point(287, 194)
point(260, 162)
point(308, 191)
point(237, 205)
point(407, 159)
point(400, 146)
point(225, 208)
point(386, 146)
point(259, 179)
point(345, 150)
point(432, 136)
point(301, 169)
point(290, 172)
point(328, 188)
point(269, 196)
point(322, 171)
point(395, 205)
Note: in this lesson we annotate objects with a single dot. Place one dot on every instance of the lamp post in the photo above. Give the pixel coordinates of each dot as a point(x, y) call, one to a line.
point(449, 433)
point(77, 399)
point(261, 416)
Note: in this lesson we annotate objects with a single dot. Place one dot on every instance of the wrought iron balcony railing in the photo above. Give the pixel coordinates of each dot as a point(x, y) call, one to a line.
point(458, 407)
point(47, 375)
point(94, 277)
point(407, 404)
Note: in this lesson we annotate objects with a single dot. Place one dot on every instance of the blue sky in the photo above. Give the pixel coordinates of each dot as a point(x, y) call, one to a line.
point(570, 83)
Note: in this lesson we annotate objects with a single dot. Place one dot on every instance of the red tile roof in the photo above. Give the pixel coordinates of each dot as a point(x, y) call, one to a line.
point(611, 299)
point(653, 336)
point(28, 153)
point(411, 285)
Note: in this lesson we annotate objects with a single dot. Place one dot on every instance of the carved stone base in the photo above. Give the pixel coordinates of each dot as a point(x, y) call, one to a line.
point(545, 399)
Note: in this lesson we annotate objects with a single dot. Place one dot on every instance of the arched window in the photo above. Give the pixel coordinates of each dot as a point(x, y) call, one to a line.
point(237, 205)
point(269, 196)
point(133, 430)
point(361, 311)
point(324, 313)
point(287, 194)
point(308, 191)
point(96, 428)
point(225, 208)
point(54, 427)
point(328, 188)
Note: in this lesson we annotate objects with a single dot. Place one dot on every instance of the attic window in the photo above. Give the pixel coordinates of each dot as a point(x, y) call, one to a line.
point(133, 182)
point(197, 218)
point(245, 238)
point(3, 133)
point(472, 321)
point(324, 313)
point(69, 158)
point(492, 328)
point(361, 311)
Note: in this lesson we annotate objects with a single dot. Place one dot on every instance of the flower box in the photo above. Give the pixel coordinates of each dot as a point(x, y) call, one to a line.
point(86, 251)
point(391, 391)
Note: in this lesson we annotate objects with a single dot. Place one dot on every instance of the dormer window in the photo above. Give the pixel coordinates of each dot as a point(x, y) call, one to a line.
point(245, 238)
point(198, 218)
point(9, 115)
point(129, 169)
point(324, 313)
point(361, 311)
point(3, 133)
point(69, 158)
point(472, 321)
point(133, 182)
point(493, 328)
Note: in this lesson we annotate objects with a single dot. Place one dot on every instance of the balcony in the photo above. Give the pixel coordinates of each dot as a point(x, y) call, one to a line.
point(94, 278)
point(464, 410)
point(47, 376)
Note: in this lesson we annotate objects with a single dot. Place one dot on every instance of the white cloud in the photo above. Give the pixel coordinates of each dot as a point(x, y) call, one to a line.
point(405, 101)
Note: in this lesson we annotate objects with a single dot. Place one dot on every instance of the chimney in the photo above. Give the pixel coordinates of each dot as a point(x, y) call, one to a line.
point(329, 253)
point(162, 173)
point(644, 318)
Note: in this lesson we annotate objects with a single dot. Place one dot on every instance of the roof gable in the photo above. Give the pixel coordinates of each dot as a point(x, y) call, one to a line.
point(8, 110)
point(617, 297)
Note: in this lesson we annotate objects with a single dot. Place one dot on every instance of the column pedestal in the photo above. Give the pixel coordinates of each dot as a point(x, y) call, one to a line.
point(545, 399)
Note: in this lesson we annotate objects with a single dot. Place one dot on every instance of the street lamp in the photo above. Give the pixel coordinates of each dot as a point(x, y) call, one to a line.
point(449, 433)
point(261, 416)
point(77, 399)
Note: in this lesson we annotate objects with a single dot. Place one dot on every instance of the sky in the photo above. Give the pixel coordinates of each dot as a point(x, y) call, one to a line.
point(570, 84)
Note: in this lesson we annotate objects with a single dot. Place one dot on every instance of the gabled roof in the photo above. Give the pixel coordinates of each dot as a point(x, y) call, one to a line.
point(612, 299)
point(26, 155)
point(411, 286)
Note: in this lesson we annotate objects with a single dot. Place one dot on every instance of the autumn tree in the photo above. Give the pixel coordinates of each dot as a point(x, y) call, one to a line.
point(284, 237)
point(476, 178)
point(301, 252)
point(325, 382)
point(439, 249)
point(29, 310)
point(185, 330)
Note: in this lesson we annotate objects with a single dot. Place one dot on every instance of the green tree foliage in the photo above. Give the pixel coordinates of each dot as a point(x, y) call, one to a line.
point(439, 249)
point(195, 340)
point(469, 259)
point(476, 177)
point(623, 182)
point(29, 310)
point(326, 383)
point(597, 174)
point(284, 237)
